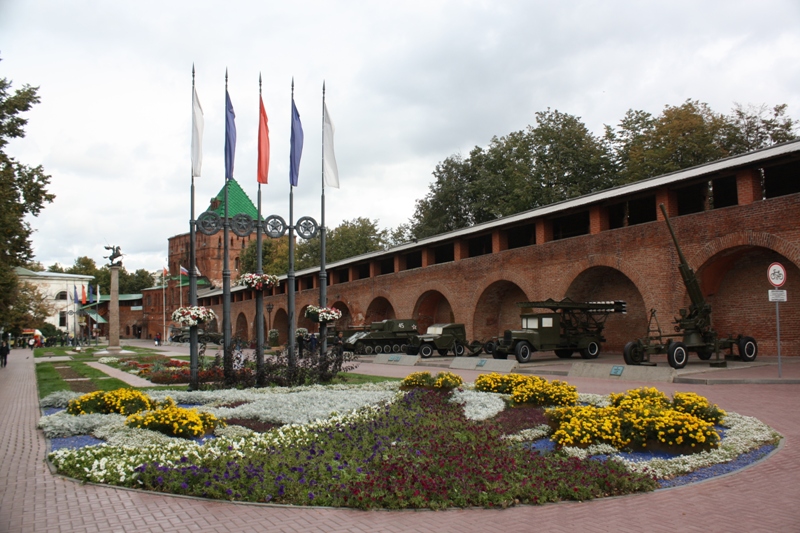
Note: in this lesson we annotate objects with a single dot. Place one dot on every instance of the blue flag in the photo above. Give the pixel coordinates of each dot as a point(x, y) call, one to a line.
point(297, 146)
point(230, 137)
point(91, 294)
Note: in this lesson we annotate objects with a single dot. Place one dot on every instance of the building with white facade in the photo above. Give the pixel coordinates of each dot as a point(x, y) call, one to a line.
point(59, 291)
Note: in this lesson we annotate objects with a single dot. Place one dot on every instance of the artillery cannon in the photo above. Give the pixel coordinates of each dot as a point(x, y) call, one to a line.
point(693, 324)
point(569, 326)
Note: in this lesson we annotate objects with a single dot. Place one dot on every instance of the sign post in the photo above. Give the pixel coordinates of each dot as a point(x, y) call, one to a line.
point(777, 277)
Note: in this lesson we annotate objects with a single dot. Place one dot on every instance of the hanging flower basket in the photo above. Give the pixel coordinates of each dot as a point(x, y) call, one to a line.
point(258, 281)
point(322, 314)
point(192, 316)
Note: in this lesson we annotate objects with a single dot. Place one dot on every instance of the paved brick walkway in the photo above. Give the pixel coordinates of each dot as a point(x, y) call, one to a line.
point(763, 497)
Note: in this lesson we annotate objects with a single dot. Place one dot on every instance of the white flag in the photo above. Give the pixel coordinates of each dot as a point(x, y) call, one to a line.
point(329, 170)
point(197, 134)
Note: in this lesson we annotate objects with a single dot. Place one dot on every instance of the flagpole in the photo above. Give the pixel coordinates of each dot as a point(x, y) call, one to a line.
point(323, 275)
point(164, 304)
point(290, 275)
point(226, 273)
point(259, 265)
point(193, 348)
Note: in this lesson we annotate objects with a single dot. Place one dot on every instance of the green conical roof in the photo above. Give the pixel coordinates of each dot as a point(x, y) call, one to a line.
point(238, 201)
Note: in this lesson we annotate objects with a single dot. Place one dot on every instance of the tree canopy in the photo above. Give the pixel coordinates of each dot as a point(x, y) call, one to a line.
point(558, 158)
point(23, 191)
point(129, 283)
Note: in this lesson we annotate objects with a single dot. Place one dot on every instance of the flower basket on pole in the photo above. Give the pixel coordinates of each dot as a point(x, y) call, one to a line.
point(193, 316)
point(258, 282)
point(322, 314)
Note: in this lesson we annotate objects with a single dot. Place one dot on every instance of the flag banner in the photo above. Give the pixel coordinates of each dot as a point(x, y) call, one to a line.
point(184, 271)
point(197, 135)
point(165, 273)
point(98, 293)
point(329, 169)
point(91, 295)
point(296, 150)
point(230, 137)
point(83, 294)
point(263, 144)
point(75, 294)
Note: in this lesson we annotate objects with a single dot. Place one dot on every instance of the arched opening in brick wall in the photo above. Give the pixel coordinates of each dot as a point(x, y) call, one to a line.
point(213, 326)
point(432, 308)
point(497, 310)
point(379, 309)
point(241, 330)
point(347, 318)
point(280, 321)
point(304, 322)
point(602, 283)
point(735, 283)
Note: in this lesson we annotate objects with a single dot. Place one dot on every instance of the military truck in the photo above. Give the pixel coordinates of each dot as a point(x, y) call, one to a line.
point(443, 338)
point(568, 327)
point(386, 336)
point(693, 326)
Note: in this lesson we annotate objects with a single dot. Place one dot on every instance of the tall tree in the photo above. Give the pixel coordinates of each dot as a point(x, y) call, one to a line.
point(23, 191)
point(274, 256)
point(754, 127)
point(348, 239)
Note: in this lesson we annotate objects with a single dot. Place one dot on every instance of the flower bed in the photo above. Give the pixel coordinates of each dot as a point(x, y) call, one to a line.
point(374, 446)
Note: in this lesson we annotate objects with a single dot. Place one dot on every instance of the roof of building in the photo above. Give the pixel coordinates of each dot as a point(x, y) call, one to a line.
point(20, 271)
point(238, 201)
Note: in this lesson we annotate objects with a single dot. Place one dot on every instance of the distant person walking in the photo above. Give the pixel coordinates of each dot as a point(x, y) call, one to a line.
point(158, 339)
point(4, 350)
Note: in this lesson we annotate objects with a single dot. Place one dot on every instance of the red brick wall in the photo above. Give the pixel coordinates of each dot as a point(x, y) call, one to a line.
point(729, 248)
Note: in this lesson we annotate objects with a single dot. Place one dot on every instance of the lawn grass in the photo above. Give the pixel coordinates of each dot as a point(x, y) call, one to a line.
point(48, 380)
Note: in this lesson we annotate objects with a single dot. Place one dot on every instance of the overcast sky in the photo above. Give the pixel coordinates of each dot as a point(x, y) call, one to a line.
point(408, 84)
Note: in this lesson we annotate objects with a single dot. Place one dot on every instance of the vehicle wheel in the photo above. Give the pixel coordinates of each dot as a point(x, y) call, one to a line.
point(368, 350)
point(359, 347)
point(426, 350)
point(387, 348)
point(704, 354)
point(441, 352)
point(677, 356)
point(524, 351)
point(591, 351)
point(489, 347)
point(633, 353)
point(396, 348)
point(564, 354)
point(475, 349)
point(404, 348)
point(748, 349)
point(379, 349)
point(458, 349)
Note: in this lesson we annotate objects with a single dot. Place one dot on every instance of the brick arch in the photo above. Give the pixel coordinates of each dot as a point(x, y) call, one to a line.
point(432, 307)
point(347, 318)
point(305, 322)
point(626, 268)
point(241, 330)
point(380, 308)
point(746, 238)
point(496, 309)
point(280, 321)
point(603, 283)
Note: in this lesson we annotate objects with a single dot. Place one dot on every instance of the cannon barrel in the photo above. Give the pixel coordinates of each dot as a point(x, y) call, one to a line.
point(689, 278)
point(611, 306)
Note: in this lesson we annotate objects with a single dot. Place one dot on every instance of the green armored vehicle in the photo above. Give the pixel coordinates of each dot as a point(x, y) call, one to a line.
point(386, 336)
point(443, 338)
point(568, 327)
point(181, 335)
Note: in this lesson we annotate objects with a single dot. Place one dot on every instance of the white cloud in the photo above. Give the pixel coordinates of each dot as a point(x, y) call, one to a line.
point(408, 84)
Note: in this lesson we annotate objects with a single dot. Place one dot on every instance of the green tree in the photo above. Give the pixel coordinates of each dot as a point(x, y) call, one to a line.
point(349, 239)
point(23, 192)
point(29, 309)
point(754, 127)
point(274, 256)
point(556, 159)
